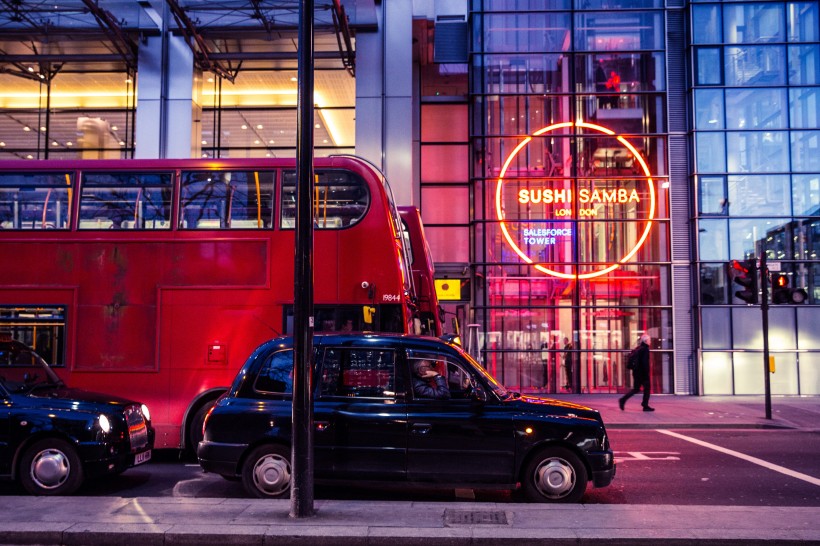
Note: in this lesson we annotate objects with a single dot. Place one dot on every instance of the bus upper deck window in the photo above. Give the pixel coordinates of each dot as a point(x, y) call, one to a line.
point(227, 199)
point(340, 199)
point(35, 200)
point(125, 200)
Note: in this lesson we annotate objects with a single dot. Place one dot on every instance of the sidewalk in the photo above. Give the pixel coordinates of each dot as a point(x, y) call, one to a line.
point(704, 411)
point(150, 521)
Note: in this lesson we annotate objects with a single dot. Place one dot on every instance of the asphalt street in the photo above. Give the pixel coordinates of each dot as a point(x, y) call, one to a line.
point(699, 470)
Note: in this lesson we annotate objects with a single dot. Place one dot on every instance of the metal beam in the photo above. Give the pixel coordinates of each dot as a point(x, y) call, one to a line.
point(121, 42)
point(196, 42)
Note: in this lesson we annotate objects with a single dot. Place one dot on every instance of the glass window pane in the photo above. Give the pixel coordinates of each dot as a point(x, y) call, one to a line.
point(620, 72)
point(755, 65)
point(806, 194)
point(516, 73)
point(444, 123)
point(717, 373)
point(713, 240)
point(449, 244)
point(126, 201)
point(804, 108)
point(805, 151)
point(614, 31)
point(342, 199)
point(746, 330)
point(756, 108)
point(706, 24)
point(804, 65)
point(712, 195)
point(784, 380)
point(709, 109)
point(41, 328)
point(713, 289)
point(759, 151)
point(276, 374)
point(748, 372)
point(35, 201)
point(782, 328)
point(809, 373)
point(526, 31)
point(715, 323)
point(802, 22)
point(759, 195)
point(227, 199)
point(709, 66)
point(711, 152)
point(444, 163)
point(753, 23)
point(445, 205)
point(747, 236)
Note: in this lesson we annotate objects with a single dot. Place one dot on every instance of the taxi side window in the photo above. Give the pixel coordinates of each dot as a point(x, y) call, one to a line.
point(460, 381)
point(276, 374)
point(358, 373)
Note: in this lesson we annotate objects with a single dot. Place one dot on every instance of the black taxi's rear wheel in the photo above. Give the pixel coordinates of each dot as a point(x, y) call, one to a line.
point(51, 467)
point(555, 475)
point(266, 472)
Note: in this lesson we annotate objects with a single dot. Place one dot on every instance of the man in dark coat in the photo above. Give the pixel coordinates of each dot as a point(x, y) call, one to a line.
point(428, 383)
point(640, 375)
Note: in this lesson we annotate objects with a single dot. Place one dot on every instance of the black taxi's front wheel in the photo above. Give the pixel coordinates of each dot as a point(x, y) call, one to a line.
point(51, 467)
point(266, 472)
point(555, 475)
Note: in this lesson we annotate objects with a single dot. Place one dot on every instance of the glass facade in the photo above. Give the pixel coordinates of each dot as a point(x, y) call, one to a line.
point(569, 182)
point(757, 178)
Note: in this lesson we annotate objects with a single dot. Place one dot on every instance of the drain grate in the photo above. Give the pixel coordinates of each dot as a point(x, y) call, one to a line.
point(469, 517)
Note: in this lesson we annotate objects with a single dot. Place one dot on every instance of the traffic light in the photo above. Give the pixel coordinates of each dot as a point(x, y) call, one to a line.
point(783, 293)
point(745, 274)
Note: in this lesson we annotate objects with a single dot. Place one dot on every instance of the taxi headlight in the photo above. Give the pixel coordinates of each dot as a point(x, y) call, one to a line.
point(145, 412)
point(105, 424)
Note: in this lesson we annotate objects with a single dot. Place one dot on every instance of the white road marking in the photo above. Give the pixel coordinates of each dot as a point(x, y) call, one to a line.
point(647, 456)
point(765, 464)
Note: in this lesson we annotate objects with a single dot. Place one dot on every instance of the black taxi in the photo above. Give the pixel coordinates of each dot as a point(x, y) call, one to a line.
point(402, 409)
point(52, 437)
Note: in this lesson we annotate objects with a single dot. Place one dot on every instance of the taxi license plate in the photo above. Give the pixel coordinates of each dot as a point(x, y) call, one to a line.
point(143, 457)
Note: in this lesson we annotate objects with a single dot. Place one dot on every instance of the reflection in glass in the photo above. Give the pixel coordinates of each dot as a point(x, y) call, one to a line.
point(753, 23)
point(710, 151)
point(804, 108)
point(709, 110)
point(805, 151)
point(755, 65)
point(759, 195)
point(706, 24)
point(806, 194)
point(804, 65)
point(756, 108)
point(760, 151)
point(712, 240)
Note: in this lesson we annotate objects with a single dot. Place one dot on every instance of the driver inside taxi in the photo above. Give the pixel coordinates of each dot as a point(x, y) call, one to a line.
point(427, 382)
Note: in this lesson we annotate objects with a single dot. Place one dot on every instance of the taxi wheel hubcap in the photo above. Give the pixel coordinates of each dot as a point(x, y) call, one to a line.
point(271, 474)
point(554, 478)
point(50, 468)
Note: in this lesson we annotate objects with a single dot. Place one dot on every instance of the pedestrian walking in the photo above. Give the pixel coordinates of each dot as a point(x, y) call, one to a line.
point(638, 361)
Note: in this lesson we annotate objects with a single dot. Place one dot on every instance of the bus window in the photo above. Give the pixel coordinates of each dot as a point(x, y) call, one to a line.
point(41, 328)
point(125, 200)
point(35, 200)
point(227, 199)
point(340, 199)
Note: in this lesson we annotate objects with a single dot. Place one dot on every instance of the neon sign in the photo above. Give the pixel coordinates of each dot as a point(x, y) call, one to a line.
point(560, 203)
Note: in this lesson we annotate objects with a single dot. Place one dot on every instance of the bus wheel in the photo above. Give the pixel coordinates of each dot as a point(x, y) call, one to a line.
point(555, 475)
point(51, 467)
point(266, 472)
point(195, 429)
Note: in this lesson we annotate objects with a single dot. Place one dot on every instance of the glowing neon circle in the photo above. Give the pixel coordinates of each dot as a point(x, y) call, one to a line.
point(587, 275)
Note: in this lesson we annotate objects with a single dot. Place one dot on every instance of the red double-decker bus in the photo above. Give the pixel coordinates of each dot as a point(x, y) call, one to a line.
point(421, 266)
point(155, 279)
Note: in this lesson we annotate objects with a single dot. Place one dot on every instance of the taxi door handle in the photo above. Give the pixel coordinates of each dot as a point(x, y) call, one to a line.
point(421, 428)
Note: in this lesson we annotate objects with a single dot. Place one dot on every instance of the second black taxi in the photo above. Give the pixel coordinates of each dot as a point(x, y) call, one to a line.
point(402, 409)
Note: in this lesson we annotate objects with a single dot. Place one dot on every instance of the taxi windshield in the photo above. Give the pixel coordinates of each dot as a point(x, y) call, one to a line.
point(499, 389)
